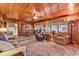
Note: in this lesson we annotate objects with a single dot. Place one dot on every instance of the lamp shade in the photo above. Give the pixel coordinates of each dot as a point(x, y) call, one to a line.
point(3, 30)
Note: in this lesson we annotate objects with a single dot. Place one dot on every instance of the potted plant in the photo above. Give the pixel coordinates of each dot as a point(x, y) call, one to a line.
point(54, 32)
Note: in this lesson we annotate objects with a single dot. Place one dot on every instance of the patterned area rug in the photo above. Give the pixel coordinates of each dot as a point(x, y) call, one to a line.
point(46, 48)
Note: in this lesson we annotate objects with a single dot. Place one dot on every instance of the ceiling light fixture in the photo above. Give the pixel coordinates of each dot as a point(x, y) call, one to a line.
point(35, 17)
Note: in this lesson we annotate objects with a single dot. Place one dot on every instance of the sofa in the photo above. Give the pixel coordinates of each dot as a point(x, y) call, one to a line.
point(62, 38)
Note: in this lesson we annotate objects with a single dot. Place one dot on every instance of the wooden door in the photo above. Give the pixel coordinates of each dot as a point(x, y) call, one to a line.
point(73, 31)
point(78, 31)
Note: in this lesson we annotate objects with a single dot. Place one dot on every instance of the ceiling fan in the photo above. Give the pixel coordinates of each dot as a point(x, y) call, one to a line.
point(34, 14)
point(37, 15)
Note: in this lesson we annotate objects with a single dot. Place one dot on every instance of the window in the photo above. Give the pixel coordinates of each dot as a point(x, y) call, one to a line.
point(47, 27)
point(39, 26)
point(63, 27)
point(54, 27)
point(12, 29)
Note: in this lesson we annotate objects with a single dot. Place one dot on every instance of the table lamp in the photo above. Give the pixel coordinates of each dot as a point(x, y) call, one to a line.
point(3, 30)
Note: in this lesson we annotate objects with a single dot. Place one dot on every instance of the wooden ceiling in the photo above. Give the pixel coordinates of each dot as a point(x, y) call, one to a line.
point(27, 11)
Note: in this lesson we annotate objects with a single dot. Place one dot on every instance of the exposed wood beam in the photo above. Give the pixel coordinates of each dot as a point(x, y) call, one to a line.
point(49, 19)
